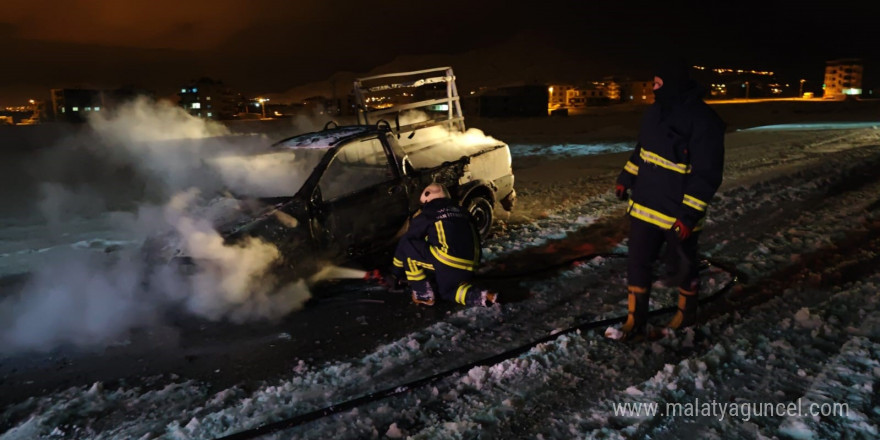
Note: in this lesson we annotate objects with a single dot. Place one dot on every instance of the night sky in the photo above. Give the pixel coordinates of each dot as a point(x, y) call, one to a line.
point(271, 46)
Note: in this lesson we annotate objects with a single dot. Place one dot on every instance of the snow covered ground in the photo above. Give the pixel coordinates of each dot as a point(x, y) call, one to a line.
point(568, 150)
point(798, 213)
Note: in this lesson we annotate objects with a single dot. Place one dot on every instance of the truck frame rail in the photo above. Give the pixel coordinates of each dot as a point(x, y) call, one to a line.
point(430, 91)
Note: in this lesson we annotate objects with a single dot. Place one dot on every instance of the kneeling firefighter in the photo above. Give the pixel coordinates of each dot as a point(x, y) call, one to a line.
point(673, 173)
point(441, 243)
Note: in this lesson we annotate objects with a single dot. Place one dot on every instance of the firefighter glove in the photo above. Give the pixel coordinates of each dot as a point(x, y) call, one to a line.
point(620, 192)
point(681, 230)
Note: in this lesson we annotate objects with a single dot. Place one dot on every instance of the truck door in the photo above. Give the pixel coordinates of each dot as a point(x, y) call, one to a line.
point(364, 203)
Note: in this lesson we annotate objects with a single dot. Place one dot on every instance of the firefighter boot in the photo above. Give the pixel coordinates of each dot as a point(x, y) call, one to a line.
point(686, 315)
point(480, 297)
point(422, 292)
point(635, 327)
point(467, 294)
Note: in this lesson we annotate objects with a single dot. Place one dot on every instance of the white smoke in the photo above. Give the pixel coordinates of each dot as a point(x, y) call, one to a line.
point(75, 298)
point(272, 174)
point(166, 144)
point(59, 203)
point(430, 146)
point(96, 298)
point(234, 281)
point(143, 120)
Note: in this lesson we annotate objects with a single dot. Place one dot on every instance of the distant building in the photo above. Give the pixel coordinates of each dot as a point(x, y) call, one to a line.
point(612, 89)
point(516, 101)
point(210, 99)
point(74, 105)
point(33, 113)
point(594, 94)
point(843, 78)
point(587, 94)
point(638, 92)
point(558, 95)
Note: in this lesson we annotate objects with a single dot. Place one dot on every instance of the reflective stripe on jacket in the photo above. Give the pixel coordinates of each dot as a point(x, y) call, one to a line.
point(677, 164)
point(450, 234)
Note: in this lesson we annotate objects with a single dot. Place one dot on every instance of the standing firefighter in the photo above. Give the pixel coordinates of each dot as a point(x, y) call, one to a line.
point(441, 241)
point(673, 174)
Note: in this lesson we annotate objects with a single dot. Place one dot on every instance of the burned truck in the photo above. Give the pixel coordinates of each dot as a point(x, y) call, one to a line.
point(359, 184)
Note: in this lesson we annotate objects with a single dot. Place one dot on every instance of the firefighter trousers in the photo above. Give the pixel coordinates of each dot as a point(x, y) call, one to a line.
point(645, 243)
point(414, 260)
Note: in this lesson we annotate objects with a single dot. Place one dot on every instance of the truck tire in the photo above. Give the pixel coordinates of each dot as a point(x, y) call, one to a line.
point(480, 209)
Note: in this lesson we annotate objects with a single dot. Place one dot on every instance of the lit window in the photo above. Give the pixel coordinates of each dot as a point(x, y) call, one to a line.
point(76, 109)
point(182, 90)
point(194, 90)
point(210, 114)
point(97, 109)
point(196, 105)
point(208, 98)
point(63, 110)
point(88, 109)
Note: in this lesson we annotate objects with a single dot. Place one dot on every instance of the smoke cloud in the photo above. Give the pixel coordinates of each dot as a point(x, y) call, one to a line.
point(431, 146)
point(179, 167)
point(151, 170)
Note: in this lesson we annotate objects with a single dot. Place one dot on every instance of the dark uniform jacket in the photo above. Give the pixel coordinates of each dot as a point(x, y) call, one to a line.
point(677, 164)
point(450, 234)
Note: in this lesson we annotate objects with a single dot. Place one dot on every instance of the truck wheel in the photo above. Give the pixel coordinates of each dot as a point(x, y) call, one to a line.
point(480, 209)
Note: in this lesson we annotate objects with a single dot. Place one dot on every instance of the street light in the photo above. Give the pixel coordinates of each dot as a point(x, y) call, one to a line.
point(263, 105)
point(801, 90)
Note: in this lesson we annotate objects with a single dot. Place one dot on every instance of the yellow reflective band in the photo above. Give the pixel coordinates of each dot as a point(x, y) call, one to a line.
point(441, 235)
point(415, 277)
point(456, 259)
point(397, 263)
point(425, 265)
point(461, 293)
point(451, 261)
point(415, 273)
point(694, 202)
point(631, 168)
point(658, 160)
point(416, 264)
point(651, 216)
